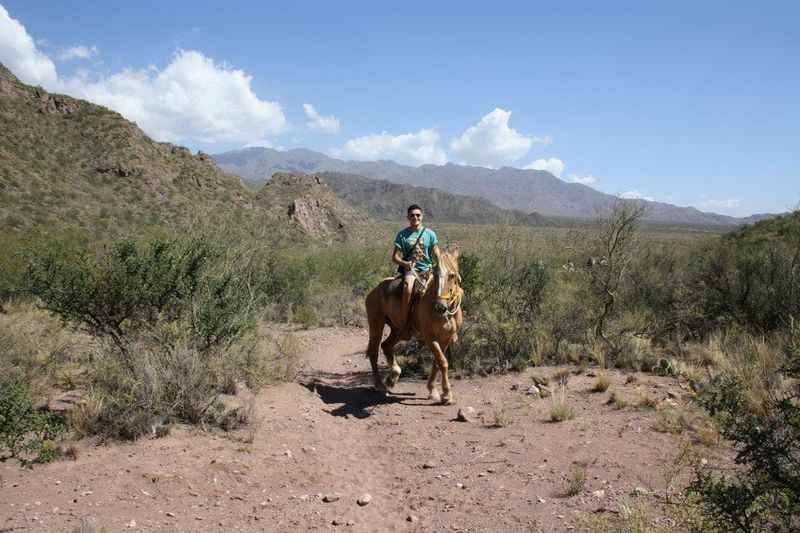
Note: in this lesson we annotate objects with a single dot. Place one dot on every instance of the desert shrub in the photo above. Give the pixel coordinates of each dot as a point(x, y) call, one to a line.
point(347, 265)
point(752, 277)
point(764, 493)
point(25, 433)
point(336, 305)
point(470, 269)
point(171, 313)
point(658, 290)
point(612, 250)
point(489, 345)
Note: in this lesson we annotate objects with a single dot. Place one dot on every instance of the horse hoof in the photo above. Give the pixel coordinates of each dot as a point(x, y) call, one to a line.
point(447, 399)
point(391, 381)
point(434, 396)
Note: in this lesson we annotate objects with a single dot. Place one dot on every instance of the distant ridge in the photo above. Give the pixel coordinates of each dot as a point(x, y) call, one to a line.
point(69, 164)
point(510, 188)
point(386, 200)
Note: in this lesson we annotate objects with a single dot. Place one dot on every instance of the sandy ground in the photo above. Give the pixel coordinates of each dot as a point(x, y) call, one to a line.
point(329, 435)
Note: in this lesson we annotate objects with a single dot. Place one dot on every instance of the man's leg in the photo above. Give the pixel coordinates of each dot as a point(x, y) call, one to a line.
point(408, 288)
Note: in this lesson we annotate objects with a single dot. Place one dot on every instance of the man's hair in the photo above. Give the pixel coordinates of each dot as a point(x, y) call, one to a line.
point(412, 207)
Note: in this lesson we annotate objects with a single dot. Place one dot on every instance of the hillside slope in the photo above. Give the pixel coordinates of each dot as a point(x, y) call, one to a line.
point(69, 164)
point(510, 188)
point(387, 200)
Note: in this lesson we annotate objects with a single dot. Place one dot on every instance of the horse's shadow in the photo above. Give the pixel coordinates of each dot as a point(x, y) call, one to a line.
point(357, 400)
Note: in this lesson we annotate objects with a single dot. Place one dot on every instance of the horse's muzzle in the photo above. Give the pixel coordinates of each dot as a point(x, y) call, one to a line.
point(440, 307)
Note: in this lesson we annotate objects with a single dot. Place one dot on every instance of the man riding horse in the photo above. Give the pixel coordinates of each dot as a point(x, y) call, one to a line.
point(434, 318)
point(414, 247)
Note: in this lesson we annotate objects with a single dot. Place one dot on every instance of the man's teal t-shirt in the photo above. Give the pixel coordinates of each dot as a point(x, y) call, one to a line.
point(422, 253)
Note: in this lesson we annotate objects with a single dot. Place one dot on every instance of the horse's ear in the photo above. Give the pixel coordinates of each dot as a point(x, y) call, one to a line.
point(455, 252)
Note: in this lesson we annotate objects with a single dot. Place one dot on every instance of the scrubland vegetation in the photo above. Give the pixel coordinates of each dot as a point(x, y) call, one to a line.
point(163, 327)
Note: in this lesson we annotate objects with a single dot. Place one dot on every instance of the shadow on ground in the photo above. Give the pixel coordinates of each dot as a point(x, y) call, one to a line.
point(353, 391)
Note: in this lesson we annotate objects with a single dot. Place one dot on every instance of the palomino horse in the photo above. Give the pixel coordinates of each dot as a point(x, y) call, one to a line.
point(436, 318)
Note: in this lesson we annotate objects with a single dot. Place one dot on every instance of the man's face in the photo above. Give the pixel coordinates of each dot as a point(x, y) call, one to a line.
point(415, 217)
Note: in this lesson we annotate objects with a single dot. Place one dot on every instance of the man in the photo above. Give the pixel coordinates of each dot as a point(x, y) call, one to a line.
point(414, 247)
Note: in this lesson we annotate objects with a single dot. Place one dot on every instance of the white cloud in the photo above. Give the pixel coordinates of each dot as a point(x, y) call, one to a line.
point(584, 180)
point(636, 195)
point(409, 148)
point(192, 99)
point(317, 122)
point(78, 52)
point(491, 142)
point(730, 203)
point(260, 143)
point(19, 54)
point(554, 166)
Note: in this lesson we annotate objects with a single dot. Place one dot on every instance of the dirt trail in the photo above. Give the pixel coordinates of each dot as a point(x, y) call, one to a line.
point(329, 434)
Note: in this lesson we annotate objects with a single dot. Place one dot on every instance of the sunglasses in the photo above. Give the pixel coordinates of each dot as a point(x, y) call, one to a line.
point(415, 215)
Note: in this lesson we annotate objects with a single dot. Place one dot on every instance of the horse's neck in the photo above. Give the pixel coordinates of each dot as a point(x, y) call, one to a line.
point(431, 290)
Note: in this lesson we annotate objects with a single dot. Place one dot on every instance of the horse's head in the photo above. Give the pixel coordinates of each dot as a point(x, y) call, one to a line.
point(447, 284)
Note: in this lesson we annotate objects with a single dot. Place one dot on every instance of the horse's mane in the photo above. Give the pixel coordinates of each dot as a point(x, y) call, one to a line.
point(449, 262)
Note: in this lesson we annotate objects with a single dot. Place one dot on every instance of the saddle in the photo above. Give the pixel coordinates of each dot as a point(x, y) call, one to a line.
point(395, 287)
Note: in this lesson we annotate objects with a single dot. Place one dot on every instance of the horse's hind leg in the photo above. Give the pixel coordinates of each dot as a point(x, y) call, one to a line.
point(388, 350)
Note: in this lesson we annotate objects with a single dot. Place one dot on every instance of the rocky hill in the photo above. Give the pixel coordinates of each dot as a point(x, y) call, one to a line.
point(309, 203)
point(386, 200)
point(527, 191)
point(67, 163)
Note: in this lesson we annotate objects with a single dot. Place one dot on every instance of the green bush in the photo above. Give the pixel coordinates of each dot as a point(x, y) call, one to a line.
point(488, 346)
point(25, 433)
point(172, 311)
point(764, 494)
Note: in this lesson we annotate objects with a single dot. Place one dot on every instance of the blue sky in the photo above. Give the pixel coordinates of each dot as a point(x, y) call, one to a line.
point(693, 103)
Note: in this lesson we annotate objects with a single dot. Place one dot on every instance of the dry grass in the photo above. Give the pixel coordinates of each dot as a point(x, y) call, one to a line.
point(617, 401)
point(646, 402)
point(576, 482)
point(560, 410)
point(500, 417)
point(37, 345)
point(602, 383)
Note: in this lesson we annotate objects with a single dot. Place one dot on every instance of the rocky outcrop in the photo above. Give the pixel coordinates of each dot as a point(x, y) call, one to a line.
point(311, 206)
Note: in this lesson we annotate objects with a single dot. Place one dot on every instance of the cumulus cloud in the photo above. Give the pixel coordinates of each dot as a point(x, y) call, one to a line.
point(317, 122)
point(709, 203)
point(78, 52)
point(553, 165)
point(584, 180)
point(260, 143)
point(636, 195)
point(409, 148)
point(19, 54)
point(192, 99)
point(492, 142)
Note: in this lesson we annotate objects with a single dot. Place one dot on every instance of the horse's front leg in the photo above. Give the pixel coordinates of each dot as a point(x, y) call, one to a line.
point(433, 393)
point(441, 361)
point(388, 350)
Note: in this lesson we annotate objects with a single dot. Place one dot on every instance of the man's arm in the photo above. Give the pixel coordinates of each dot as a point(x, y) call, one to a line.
point(397, 258)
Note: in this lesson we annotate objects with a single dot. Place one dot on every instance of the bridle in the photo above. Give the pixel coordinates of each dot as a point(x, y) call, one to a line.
point(453, 296)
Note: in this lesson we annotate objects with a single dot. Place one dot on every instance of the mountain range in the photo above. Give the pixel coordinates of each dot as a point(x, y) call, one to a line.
point(524, 191)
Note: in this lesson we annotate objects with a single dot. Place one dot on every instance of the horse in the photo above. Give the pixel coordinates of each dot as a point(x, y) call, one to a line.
point(436, 317)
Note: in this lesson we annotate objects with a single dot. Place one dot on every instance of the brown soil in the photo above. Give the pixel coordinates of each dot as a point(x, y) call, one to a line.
point(329, 434)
